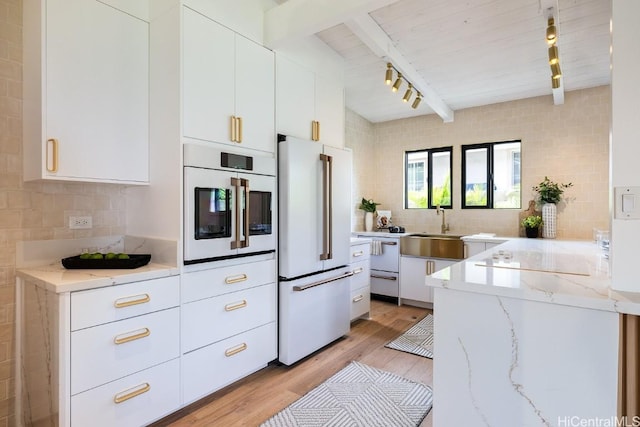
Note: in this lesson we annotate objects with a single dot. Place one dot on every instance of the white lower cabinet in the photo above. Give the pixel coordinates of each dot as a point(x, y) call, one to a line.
point(217, 365)
point(413, 271)
point(134, 400)
point(360, 288)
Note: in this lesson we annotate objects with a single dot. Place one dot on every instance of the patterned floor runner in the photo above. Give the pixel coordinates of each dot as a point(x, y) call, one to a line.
point(417, 340)
point(358, 396)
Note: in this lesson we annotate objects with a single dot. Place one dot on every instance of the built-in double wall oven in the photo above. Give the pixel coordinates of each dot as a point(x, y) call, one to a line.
point(229, 202)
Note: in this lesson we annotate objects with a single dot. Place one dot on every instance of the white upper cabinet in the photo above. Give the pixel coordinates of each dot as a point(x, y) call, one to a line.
point(86, 92)
point(228, 86)
point(308, 105)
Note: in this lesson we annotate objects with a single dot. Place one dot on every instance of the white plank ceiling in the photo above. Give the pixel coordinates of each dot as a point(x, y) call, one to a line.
point(463, 53)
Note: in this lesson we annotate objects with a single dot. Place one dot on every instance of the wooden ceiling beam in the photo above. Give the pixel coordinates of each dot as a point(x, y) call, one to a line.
point(368, 30)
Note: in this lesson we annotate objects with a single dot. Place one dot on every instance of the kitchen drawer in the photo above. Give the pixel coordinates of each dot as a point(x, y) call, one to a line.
point(213, 319)
point(212, 367)
point(103, 305)
point(360, 252)
point(218, 281)
point(160, 395)
point(107, 352)
point(360, 302)
point(384, 283)
point(361, 272)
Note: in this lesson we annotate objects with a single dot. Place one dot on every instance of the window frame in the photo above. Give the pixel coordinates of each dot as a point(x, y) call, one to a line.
point(428, 170)
point(489, 173)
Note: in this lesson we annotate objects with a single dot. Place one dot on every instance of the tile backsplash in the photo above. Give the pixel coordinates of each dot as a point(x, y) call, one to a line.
point(568, 143)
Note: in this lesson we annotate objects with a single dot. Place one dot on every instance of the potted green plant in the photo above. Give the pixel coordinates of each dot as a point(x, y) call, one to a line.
point(531, 225)
point(549, 194)
point(369, 207)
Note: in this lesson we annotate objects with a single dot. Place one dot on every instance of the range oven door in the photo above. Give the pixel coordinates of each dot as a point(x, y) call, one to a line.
point(227, 214)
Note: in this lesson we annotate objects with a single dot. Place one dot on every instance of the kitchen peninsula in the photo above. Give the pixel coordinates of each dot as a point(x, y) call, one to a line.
point(528, 331)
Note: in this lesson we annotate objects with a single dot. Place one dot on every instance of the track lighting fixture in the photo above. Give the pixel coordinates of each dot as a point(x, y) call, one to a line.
point(555, 71)
point(555, 83)
point(388, 77)
point(397, 84)
point(551, 32)
point(416, 101)
point(553, 55)
point(408, 93)
point(389, 74)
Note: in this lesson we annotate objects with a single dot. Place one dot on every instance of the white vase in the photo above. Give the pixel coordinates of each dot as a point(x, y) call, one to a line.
point(368, 221)
point(549, 219)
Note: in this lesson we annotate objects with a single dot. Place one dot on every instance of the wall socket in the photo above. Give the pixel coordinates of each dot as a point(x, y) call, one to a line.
point(80, 222)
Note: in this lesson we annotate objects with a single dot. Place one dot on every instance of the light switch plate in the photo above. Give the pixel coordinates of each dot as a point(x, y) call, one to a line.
point(627, 202)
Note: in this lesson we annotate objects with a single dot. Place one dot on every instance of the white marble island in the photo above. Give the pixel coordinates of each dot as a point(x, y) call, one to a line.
point(526, 334)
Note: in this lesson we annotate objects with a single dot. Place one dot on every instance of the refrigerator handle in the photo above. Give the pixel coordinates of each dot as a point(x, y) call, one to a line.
point(299, 288)
point(327, 206)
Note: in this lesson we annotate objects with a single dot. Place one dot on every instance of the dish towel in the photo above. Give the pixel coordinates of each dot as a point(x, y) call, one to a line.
point(376, 247)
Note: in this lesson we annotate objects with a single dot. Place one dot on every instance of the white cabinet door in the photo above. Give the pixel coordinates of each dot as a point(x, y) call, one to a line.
point(329, 109)
point(87, 103)
point(412, 274)
point(226, 77)
point(255, 94)
point(295, 98)
point(208, 78)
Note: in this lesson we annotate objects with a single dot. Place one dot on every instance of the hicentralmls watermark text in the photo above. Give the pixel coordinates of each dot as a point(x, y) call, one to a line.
point(576, 421)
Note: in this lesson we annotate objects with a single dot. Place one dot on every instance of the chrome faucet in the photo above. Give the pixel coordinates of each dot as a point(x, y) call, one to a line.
point(444, 227)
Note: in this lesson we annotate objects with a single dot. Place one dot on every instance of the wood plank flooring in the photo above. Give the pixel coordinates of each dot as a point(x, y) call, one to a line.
point(257, 397)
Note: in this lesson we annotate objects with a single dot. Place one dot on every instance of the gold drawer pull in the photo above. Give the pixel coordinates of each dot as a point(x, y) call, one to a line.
point(359, 253)
point(358, 298)
point(235, 350)
point(235, 279)
point(235, 306)
point(132, 300)
point(239, 131)
point(131, 393)
point(358, 270)
point(124, 338)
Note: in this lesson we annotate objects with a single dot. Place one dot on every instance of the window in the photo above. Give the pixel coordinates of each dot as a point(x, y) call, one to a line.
point(428, 178)
point(491, 175)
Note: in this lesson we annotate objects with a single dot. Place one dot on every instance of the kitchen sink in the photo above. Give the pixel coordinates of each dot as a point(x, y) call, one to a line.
point(432, 245)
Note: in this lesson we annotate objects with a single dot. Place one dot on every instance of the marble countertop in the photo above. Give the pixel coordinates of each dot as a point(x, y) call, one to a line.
point(379, 234)
point(359, 240)
point(55, 278)
point(572, 273)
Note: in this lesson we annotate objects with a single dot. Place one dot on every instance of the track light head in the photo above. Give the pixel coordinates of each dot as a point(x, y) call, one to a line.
point(556, 73)
point(397, 84)
point(408, 93)
point(555, 83)
point(553, 55)
point(551, 32)
point(389, 74)
point(416, 101)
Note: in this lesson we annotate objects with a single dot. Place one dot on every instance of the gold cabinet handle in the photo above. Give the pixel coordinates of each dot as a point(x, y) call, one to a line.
point(124, 338)
point(357, 254)
point(358, 270)
point(317, 131)
point(239, 130)
point(235, 350)
point(235, 279)
point(358, 298)
point(431, 267)
point(232, 130)
point(131, 393)
point(236, 305)
point(132, 300)
point(54, 155)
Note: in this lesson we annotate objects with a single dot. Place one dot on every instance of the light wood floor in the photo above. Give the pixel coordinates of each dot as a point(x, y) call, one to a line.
point(257, 397)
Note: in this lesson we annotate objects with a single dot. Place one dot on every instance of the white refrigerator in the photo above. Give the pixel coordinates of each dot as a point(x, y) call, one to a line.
point(314, 194)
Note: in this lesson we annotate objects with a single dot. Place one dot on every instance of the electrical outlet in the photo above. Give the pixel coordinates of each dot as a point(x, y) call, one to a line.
point(80, 222)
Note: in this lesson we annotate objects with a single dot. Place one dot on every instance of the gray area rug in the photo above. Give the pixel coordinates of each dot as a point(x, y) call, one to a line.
point(417, 340)
point(358, 395)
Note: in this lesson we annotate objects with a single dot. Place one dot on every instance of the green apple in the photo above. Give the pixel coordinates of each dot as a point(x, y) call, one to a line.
point(85, 255)
point(97, 255)
point(110, 255)
point(123, 256)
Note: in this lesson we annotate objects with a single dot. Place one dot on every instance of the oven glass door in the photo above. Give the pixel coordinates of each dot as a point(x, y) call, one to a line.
point(260, 220)
point(213, 213)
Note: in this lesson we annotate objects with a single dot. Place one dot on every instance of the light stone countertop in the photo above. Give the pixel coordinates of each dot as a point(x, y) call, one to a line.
point(571, 273)
point(359, 240)
point(56, 278)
